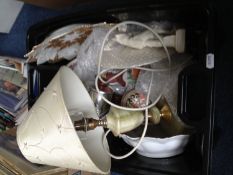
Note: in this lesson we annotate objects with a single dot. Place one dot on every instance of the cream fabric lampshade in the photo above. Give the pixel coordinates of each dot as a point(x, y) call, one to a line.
point(47, 135)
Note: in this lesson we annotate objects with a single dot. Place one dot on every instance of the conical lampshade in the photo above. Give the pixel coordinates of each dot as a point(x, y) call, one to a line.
point(47, 135)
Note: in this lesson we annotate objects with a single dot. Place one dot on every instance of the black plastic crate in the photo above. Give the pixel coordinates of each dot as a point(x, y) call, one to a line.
point(195, 81)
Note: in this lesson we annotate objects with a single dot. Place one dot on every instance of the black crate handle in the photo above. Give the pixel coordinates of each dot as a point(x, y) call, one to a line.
point(194, 94)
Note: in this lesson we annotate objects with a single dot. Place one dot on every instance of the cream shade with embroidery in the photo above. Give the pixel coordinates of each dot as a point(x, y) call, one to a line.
point(47, 135)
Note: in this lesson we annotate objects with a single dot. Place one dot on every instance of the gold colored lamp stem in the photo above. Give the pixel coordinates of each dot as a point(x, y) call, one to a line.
point(165, 112)
point(87, 124)
point(121, 121)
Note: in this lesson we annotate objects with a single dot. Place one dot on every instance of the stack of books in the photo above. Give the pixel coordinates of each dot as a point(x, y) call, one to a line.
point(13, 91)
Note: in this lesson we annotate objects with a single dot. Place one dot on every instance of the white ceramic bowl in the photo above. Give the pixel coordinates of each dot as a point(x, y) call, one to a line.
point(159, 147)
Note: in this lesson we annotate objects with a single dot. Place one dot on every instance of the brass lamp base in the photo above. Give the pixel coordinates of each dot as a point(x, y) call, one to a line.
point(121, 121)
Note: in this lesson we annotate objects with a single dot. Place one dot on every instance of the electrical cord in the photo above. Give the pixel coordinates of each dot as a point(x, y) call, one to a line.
point(143, 133)
point(146, 108)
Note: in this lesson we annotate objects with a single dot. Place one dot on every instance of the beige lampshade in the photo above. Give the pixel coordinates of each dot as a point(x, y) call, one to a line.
point(47, 135)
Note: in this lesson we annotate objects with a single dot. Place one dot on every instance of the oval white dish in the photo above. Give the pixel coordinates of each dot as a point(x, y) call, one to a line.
point(158, 147)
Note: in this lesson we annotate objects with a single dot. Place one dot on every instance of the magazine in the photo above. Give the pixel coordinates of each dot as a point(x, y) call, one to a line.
point(14, 77)
point(12, 103)
point(13, 85)
point(8, 87)
point(11, 63)
point(12, 97)
point(6, 120)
